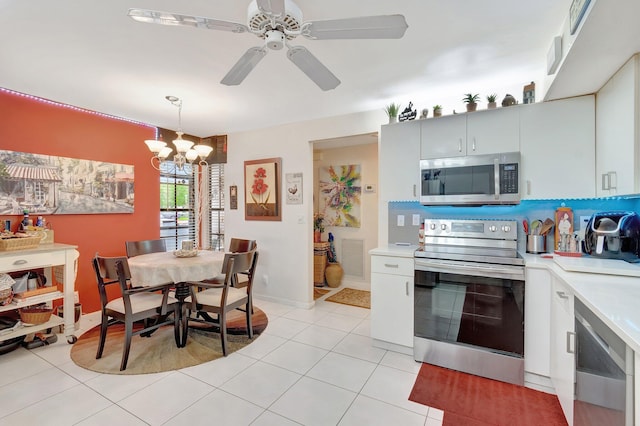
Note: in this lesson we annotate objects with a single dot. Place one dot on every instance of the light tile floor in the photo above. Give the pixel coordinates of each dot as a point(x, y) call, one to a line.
point(309, 367)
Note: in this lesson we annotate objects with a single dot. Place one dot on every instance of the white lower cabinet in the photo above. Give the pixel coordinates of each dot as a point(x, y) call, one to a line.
point(563, 344)
point(392, 300)
point(537, 321)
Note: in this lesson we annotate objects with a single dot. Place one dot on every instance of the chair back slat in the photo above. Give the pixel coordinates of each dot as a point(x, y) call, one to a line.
point(237, 245)
point(137, 248)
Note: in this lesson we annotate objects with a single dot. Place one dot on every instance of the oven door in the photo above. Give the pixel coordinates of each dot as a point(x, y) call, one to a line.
point(472, 304)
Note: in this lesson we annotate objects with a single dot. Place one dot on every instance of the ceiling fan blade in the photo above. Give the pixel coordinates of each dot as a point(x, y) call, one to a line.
point(243, 67)
point(168, 18)
point(274, 8)
point(313, 68)
point(363, 27)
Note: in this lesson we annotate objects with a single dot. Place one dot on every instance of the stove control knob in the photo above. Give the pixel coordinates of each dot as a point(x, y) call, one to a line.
point(493, 228)
point(506, 228)
point(432, 226)
point(443, 227)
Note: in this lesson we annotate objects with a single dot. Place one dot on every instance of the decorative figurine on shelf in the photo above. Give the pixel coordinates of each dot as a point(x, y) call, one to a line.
point(508, 100)
point(318, 227)
point(408, 113)
point(529, 93)
point(424, 113)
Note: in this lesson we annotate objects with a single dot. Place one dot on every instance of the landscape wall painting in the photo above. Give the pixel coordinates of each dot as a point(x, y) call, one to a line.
point(47, 184)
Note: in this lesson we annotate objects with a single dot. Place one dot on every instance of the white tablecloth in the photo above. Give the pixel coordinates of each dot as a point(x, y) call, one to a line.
point(162, 268)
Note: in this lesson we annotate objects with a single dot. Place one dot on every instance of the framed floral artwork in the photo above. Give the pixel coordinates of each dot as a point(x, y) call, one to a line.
point(262, 189)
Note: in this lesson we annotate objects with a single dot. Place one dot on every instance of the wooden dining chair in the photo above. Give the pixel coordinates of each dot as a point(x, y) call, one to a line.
point(236, 245)
point(134, 304)
point(221, 300)
point(136, 248)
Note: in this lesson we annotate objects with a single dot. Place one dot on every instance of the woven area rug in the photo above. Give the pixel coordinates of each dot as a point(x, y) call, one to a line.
point(319, 292)
point(353, 297)
point(159, 352)
point(476, 401)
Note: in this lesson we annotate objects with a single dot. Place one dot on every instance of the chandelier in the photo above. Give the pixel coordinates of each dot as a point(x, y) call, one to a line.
point(186, 151)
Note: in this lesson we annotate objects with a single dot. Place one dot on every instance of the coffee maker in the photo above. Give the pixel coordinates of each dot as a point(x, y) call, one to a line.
point(614, 235)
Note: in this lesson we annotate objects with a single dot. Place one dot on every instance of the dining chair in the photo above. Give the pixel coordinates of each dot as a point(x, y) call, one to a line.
point(134, 304)
point(136, 248)
point(222, 300)
point(236, 245)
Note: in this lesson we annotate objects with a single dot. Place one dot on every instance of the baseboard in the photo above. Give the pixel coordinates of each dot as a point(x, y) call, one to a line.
point(288, 302)
point(539, 383)
point(392, 347)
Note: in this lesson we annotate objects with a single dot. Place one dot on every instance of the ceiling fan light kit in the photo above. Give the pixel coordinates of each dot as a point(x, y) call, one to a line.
point(277, 22)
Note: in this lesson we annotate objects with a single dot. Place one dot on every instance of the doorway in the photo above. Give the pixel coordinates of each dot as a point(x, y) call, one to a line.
point(354, 227)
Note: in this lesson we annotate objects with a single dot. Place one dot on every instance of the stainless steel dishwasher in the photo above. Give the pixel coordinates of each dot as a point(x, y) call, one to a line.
point(604, 373)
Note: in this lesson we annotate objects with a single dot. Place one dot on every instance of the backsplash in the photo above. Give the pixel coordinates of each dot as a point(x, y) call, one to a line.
point(527, 209)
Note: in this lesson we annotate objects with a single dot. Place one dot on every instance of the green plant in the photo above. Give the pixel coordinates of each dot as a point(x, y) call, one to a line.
point(435, 107)
point(492, 97)
point(392, 109)
point(470, 98)
point(318, 222)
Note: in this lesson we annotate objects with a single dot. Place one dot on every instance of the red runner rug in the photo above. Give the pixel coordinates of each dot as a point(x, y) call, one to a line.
point(476, 401)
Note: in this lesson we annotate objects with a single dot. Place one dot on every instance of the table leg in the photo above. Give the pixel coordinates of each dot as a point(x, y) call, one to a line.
point(182, 292)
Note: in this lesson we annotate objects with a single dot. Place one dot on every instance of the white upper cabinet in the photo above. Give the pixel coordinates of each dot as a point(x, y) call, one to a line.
point(481, 132)
point(493, 131)
point(444, 137)
point(399, 161)
point(617, 125)
point(557, 149)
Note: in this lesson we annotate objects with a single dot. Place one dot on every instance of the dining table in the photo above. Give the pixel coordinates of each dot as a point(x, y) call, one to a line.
point(156, 269)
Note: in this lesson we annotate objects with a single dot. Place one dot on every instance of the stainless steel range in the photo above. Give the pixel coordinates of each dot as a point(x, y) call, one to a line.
point(469, 298)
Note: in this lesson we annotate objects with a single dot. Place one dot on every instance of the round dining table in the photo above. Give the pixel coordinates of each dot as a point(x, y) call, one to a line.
point(155, 269)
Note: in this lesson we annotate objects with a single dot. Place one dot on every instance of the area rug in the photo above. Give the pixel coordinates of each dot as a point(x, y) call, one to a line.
point(350, 296)
point(319, 292)
point(159, 352)
point(476, 401)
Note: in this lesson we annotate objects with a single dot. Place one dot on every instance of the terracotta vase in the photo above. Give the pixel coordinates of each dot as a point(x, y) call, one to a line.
point(491, 105)
point(333, 274)
point(471, 106)
point(317, 236)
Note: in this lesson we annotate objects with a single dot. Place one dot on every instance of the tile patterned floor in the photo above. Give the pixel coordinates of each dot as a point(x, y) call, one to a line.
point(310, 367)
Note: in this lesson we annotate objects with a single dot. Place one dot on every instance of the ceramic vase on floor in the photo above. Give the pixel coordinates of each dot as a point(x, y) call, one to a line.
point(333, 274)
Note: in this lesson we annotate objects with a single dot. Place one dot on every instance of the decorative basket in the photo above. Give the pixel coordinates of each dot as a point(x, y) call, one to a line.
point(19, 243)
point(35, 315)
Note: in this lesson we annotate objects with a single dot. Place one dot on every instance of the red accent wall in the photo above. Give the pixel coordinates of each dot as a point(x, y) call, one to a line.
point(29, 125)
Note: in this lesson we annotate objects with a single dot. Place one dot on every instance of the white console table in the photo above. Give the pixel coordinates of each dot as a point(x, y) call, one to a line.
point(45, 256)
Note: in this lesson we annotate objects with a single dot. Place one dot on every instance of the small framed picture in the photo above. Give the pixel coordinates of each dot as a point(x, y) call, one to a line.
point(233, 197)
point(293, 188)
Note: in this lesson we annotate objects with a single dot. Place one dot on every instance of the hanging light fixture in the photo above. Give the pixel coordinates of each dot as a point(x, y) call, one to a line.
point(186, 152)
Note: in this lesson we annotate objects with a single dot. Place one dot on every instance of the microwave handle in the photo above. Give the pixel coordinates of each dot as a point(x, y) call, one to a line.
point(496, 178)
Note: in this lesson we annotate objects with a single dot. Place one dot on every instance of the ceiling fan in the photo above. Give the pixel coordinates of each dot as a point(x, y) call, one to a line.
point(277, 22)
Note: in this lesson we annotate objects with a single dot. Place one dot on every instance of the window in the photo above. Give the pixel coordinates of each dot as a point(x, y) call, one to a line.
point(178, 203)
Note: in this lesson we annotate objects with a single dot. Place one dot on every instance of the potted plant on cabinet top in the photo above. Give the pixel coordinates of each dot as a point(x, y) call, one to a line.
point(491, 99)
point(437, 110)
point(392, 112)
point(471, 101)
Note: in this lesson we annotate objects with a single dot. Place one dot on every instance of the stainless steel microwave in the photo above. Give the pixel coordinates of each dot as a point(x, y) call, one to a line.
point(471, 180)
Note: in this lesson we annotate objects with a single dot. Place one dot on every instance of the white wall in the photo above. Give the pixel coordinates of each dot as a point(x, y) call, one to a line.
point(367, 157)
point(285, 259)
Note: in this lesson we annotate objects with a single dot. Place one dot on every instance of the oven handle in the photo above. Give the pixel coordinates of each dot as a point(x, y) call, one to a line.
point(494, 271)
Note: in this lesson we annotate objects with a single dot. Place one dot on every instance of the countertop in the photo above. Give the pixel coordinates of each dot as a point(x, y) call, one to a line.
point(396, 250)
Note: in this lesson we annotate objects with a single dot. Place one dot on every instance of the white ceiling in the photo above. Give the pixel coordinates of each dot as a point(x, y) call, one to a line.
point(91, 55)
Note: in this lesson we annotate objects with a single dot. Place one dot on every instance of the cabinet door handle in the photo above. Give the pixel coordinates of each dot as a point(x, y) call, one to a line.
point(20, 262)
point(473, 145)
point(414, 190)
point(606, 181)
point(406, 287)
point(528, 187)
point(391, 265)
point(562, 295)
point(613, 180)
point(571, 349)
